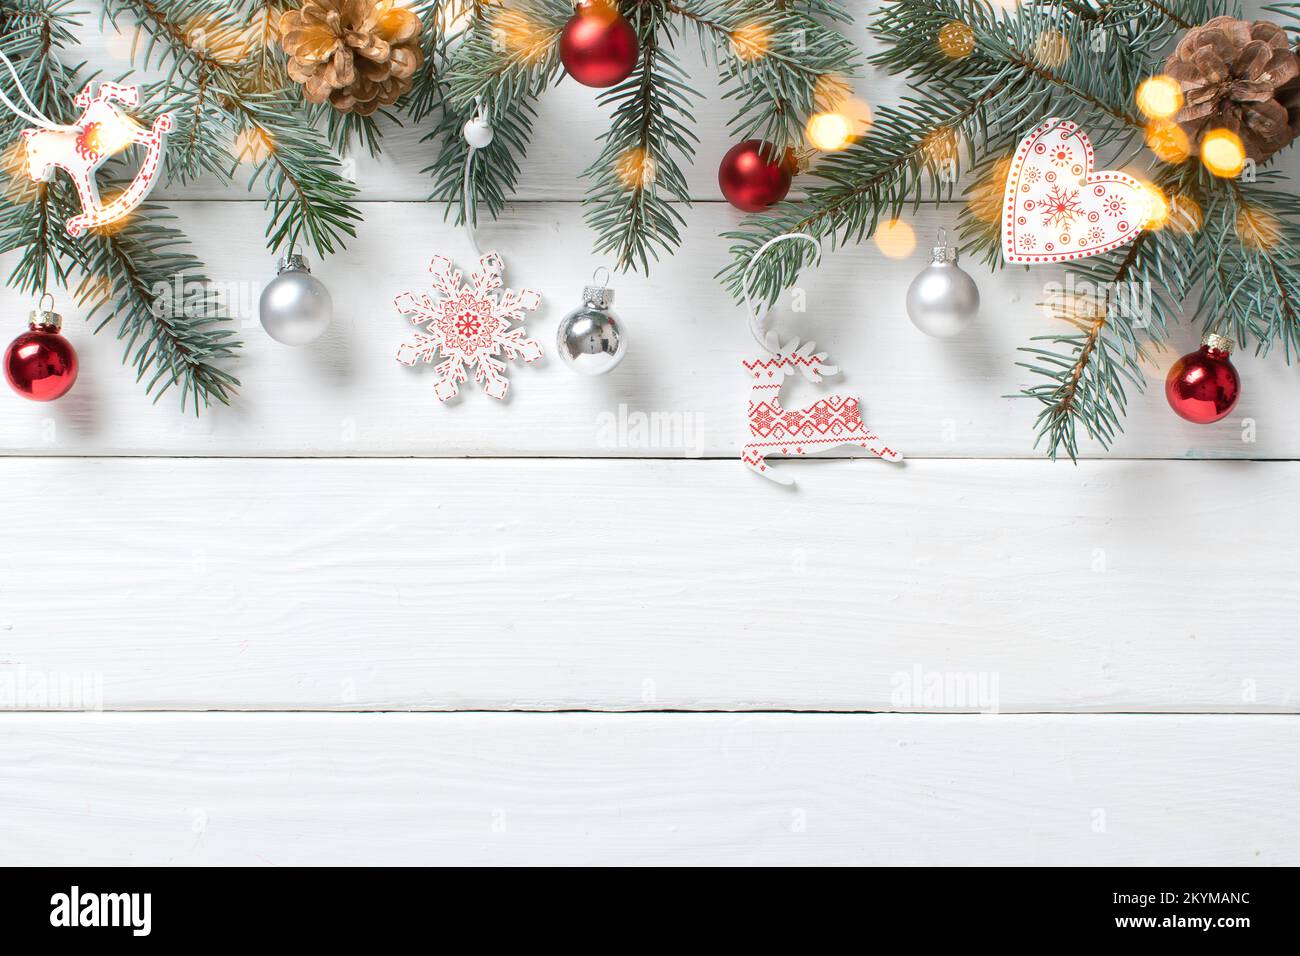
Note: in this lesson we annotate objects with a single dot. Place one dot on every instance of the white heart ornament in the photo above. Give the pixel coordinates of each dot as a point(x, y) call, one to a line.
point(1056, 208)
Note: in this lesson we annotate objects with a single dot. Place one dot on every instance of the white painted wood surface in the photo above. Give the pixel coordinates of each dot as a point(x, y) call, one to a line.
point(663, 789)
point(323, 546)
point(381, 584)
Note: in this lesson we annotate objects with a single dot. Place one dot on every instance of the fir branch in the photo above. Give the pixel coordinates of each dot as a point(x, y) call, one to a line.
point(505, 59)
point(1251, 260)
point(174, 327)
point(638, 176)
point(139, 272)
point(201, 42)
point(779, 61)
point(1113, 303)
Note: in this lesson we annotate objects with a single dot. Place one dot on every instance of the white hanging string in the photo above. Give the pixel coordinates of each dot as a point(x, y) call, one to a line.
point(757, 315)
point(470, 204)
point(469, 201)
point(36, 117)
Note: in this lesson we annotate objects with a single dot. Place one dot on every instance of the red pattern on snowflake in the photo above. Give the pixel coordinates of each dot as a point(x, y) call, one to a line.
point(469, 327)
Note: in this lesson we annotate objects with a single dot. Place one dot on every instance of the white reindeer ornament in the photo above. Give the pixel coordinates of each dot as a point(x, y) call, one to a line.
point(775, 430)
point(826, 423)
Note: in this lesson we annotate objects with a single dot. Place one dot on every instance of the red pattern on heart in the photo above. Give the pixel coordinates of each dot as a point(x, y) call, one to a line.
point(1056, 208)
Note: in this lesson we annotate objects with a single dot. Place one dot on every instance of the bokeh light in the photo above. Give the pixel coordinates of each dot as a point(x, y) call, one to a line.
point(895, 238)
point(1160, 97)
point(830, 132)
point(1185, 215)
point(1222, 153)
point(1052, 49)
point(1158, 208)
point(636, 168)
point(956, 40)
point(1168, 141)
point(751, 41)
point(1258, 229)
point(986, 197)
point(253, 145)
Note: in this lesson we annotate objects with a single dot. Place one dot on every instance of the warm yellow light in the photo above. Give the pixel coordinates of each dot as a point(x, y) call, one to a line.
point(830, 92)
point(120, 46)
point(1157, 208)
point(1052, 49)
point(956, 40)
point(253, 145)
point(1168, 141)
point(985, 200)
point(108, 138)
point(1222, 153)
point(520, 36)
point(895, 238)
point(751, 41)
point(212, 37)
point(830, 132)
point(1258, 229)
point(1185, 215)
point(1160, 97)
point(636, 168)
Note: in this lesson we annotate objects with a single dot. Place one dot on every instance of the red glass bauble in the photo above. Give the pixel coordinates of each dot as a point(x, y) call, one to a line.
point(1203, 386)
point(598, 46)
point(40, 365)
point(750, 180)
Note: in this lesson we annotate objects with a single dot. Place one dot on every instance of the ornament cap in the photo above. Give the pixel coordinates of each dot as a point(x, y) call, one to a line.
point(598, 295)
point(1217, 343)
point(942, 252)
point(293, 262)
point(42, 319)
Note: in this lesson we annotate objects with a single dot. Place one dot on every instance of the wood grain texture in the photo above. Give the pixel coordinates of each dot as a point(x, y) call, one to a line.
point(667, 789)
point(448, 585)
point(681, 392)
point(309, 557)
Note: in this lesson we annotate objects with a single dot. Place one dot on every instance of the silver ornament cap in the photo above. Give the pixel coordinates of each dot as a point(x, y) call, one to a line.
point(42, 320)
point(295, 307)
point(590, 339)
point(1217, 343)
point(943, 300)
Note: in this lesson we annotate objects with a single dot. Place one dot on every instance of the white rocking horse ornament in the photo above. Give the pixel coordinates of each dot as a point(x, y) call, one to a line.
point(102, 130)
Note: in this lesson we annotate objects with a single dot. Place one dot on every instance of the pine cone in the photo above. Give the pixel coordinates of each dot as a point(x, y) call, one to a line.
point(358, 54)
point(1242, 77)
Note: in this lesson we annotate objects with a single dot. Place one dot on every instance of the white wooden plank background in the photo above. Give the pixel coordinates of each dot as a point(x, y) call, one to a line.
point(662, 789)
point(322, 546)
point(351, 584)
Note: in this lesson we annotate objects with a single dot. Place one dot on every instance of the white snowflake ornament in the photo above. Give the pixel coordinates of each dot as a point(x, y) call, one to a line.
point(469, 327)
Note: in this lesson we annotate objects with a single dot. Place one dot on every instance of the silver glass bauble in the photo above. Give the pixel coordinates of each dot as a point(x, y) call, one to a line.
point(943, 300)
point(295, 307)
point(591, 338)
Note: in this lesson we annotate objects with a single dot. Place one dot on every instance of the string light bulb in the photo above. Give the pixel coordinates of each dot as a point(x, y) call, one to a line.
point(830, 132)
point(1222, 153)
point(1160, 97)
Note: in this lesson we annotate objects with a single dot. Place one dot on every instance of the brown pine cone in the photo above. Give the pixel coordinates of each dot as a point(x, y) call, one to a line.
point(358, 54)
point(1239, 76)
